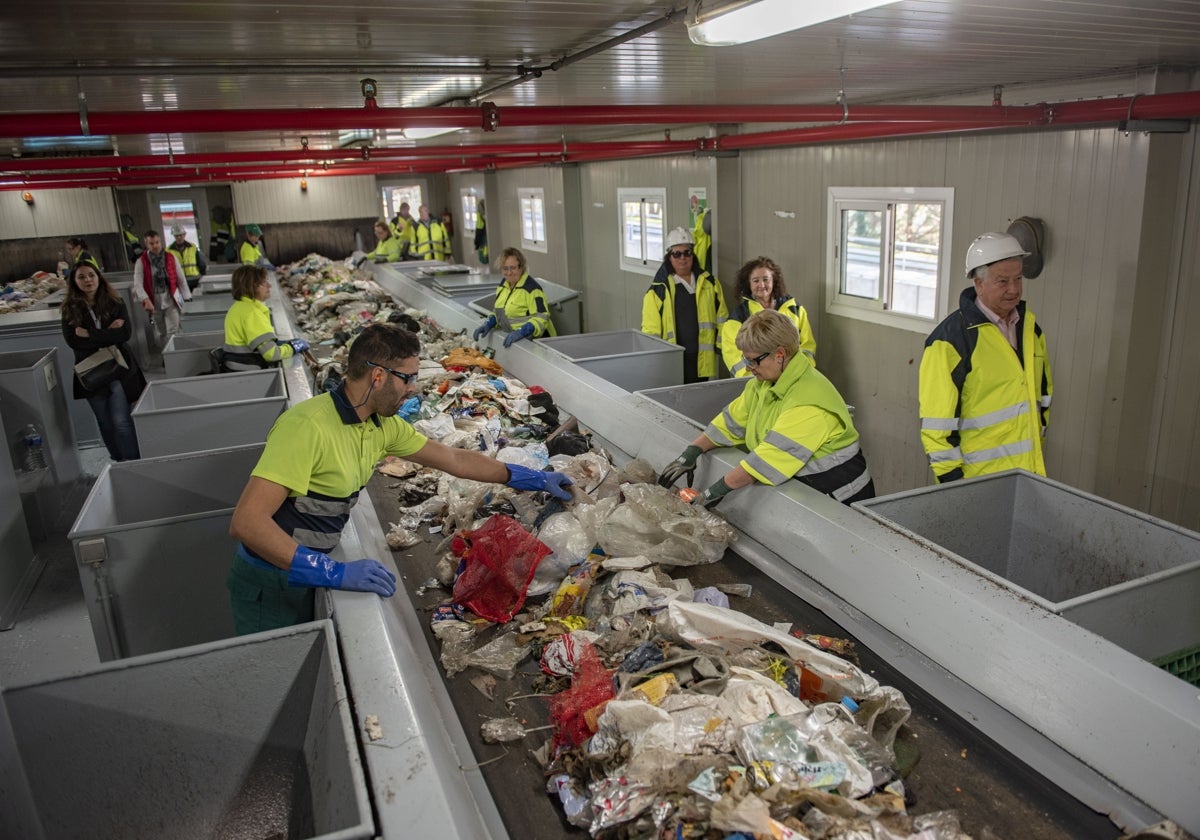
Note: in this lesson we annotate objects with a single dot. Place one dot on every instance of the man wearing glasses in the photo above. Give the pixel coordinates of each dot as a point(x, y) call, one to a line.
point(318, 456)
point(685, 306)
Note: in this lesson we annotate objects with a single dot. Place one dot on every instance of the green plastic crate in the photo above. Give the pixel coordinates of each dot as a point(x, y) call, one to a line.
point(1184, 664)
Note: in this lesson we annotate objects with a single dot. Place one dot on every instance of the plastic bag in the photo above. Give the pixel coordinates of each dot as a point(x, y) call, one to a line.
point(654, 522)
point(500, 558)
point(501, 730)
point(533, 456)
point(463, 497)
point(569, 544)
point(501, 656)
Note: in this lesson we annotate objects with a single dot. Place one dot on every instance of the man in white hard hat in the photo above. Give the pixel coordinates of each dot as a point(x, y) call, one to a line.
point(686, 306)
point(985, 375)
point(194, 265)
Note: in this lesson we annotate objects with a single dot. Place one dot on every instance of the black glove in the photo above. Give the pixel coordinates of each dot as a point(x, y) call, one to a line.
point(685, 463)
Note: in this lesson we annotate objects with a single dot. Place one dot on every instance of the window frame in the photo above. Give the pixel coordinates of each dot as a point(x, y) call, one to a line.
point(537, 197)
point(388, 213)
point(877, 309)
point(647, 264)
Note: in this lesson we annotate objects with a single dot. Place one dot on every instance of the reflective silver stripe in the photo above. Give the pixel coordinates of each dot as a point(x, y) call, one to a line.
point(833, 459)
point(256, 344)
point(939, 424)
point(322, 507)
point(739, 367)
point(1008, 450)
point(811, 355)
point(670, 337)
point(786, 444)
point(759, 465)
point(846, 491)
point(993, 417)
point(735, 428)
point(717, 436)
point(237, 348)
point(706, 325)
point(704, 347)
point(316, 539)
point(954, 454)
point(1045, 400)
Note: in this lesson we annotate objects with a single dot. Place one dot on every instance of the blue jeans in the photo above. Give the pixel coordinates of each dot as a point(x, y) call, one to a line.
point(111, 408)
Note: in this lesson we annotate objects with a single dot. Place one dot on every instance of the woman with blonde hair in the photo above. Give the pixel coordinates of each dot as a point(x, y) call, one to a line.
point(790, 419)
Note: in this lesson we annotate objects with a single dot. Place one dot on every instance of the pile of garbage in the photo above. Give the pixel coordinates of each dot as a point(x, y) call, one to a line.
point(19, 295)
point(671, 713)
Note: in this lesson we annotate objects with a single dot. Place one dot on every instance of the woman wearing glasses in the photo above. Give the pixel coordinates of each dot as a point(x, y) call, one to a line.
point(790, 419)
point(685, 306)
point(760, 286)
point(520, 305)
point(250, 340)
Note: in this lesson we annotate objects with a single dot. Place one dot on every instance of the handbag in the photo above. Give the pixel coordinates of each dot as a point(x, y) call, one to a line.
point(100, 368)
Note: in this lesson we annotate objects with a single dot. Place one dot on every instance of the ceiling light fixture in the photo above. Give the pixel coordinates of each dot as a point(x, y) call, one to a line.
point(711, 23)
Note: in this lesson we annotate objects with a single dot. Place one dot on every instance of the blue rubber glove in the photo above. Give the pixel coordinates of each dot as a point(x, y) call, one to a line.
point(409, 408)
point(485, 328)
point(299, 345)
point(516, 335)
point(523, 478)
point(312, 568)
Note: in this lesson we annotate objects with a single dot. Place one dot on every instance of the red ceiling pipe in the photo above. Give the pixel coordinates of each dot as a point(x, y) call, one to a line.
point(334, 119)
point(339, 119)
point(836, 133)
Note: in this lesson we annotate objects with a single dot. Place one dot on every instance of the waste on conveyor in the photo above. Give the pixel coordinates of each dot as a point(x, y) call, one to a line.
point(670, 713)
point(19, 295)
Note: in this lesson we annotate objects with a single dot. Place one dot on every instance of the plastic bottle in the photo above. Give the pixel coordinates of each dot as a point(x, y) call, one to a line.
point(34, 456)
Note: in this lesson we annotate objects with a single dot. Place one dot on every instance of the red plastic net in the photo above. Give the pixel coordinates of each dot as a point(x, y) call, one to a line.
point(591, 686)
point(501, 558)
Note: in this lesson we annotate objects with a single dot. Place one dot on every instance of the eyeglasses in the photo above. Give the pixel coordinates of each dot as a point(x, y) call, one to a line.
point(406, 378)
point(681, 254)
point(757, 360)
point(507, 268)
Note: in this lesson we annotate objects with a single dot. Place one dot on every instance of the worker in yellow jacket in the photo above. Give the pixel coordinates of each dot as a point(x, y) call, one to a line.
point(387, 247)
point(685, 306)
point(250, 340)
point(790, 418)
point(760, 285)
point(985, 384)
point(432, 241)
point(520, 305)
point(251, 252)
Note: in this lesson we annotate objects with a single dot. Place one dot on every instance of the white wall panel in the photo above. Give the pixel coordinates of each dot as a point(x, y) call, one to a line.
point(278, 201)
point(57, 213)
point(504, 220)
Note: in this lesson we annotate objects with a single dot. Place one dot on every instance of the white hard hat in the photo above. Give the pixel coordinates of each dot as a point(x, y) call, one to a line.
point(993, 247)
point(679, 236)
point(177, 230)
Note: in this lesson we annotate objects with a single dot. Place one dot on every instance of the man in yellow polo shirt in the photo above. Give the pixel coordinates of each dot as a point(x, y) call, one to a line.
point(318, 457)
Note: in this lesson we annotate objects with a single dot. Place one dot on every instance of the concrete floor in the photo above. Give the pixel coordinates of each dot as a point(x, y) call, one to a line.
point(52, 635)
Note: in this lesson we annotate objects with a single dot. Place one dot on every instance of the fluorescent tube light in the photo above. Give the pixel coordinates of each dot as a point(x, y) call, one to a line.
point(715, 24)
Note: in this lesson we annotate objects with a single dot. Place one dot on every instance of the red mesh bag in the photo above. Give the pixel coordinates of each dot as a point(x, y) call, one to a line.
point(591, 686)
point(500, 559)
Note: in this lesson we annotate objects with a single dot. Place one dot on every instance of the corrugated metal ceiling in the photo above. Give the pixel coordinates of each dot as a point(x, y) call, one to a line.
point(206, 55)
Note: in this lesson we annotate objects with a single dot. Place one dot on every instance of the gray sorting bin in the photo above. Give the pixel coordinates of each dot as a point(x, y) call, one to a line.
point(566, 307)
point(152, 547)
point(627, 358)
point(208, 412)
point(699, 402)
point(19, 566)
point(214, 285)
point(205, 313)
point(245, 738)
point(34, 395)
point(187, 354)
point(1129, 577)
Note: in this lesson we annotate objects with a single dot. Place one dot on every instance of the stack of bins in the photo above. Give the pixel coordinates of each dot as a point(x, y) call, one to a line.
point(1126, 576)
point(205, 313)
point(208, 412)
point(152, 547)
point(627, 358)
point(249, 737)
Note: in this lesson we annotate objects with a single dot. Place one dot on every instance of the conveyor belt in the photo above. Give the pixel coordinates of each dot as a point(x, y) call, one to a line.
point(959, 769)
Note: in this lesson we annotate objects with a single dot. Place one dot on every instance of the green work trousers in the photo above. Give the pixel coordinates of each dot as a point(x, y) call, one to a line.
point(262, 600)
